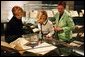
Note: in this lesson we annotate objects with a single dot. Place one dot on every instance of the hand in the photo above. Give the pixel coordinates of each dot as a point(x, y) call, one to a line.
point(39, 42)
point(58, 29)
point(40, 21)
point(49, 37)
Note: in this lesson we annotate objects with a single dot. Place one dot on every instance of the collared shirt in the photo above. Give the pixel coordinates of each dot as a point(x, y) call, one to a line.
point(44, 23)
point(47, 27)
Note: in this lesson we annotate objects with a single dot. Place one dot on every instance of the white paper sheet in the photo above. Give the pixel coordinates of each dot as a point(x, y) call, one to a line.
point(40, 49)
point(36, 30)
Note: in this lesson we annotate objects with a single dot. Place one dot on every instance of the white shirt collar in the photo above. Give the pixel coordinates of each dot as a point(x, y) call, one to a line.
point(45, 22)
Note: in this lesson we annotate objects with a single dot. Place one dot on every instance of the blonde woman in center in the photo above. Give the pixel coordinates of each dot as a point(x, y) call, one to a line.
point(45, 26)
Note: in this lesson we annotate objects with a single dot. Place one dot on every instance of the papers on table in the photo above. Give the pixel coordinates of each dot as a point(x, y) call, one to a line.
point(20, 45)
point(5, 44)
point(79, 26)
point(43, 48)
point(20, 41)
point(76, 43)
point(40, 49)
point(36, 30)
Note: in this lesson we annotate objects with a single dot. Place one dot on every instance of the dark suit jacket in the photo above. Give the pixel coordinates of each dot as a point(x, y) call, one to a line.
point(14, 29)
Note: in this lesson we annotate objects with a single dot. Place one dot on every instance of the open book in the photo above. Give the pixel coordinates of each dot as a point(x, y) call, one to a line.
point(16, 45)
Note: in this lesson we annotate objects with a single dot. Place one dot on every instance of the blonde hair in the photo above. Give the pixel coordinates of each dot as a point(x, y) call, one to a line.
point(42, 13)
point(16, 10)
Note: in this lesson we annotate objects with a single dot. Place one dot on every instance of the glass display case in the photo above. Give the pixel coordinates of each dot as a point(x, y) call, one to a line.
point(32, 9)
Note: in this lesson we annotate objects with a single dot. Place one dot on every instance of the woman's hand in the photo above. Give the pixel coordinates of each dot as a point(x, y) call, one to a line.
point(49, 37)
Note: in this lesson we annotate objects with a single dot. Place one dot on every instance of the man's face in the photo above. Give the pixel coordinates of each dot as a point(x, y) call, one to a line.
point(60, 9)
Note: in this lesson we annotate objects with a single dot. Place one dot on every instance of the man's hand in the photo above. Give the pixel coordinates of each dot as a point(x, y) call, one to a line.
point(57, 29)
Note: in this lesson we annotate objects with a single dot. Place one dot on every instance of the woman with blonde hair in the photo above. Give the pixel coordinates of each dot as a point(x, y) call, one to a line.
point(14, 26)
point(44, 24)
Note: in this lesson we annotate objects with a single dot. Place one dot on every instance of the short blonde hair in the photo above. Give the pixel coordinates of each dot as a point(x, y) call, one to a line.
point(16, 10)
point(42, 13)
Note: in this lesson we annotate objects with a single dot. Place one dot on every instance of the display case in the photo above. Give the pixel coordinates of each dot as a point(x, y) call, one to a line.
point(32, 9)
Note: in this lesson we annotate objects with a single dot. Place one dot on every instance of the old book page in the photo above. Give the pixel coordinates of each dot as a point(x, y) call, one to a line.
point(5, 44)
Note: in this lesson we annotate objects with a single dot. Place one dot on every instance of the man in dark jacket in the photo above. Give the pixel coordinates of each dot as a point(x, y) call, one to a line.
point(14, 26)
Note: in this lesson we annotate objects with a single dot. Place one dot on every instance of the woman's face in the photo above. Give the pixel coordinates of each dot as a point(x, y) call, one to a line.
point(19, 14)
point(42, 19)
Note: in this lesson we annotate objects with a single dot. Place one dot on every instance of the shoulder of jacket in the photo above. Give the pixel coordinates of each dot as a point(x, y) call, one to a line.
point(67, 14)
